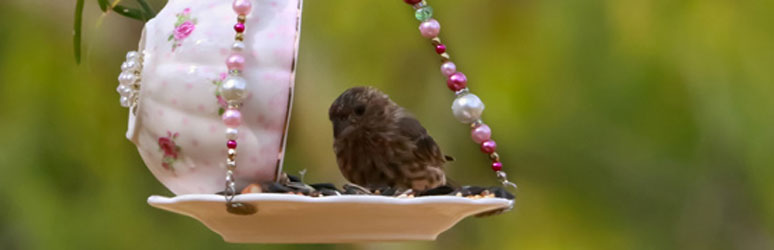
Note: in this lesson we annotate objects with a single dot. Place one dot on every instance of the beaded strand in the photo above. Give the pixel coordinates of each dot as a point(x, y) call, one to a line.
point(467, 107)
point(234, 91)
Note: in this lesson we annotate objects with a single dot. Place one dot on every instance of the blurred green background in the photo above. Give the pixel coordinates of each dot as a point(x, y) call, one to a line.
point(627, 124)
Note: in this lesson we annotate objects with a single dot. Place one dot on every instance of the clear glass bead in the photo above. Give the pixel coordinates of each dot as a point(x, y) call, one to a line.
point(424, 13)
point(232, 133)
point(467, 108)
point(234, 89)
point(238, 46)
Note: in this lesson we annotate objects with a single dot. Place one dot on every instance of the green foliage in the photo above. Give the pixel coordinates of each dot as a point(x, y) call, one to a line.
point(132, 13)
point(103, 5)
point(143, 14)
point(77, 29)
point(147, 10)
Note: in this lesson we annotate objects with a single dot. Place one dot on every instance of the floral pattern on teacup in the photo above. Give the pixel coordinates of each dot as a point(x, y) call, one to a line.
point(184, 26)
point(170, 149)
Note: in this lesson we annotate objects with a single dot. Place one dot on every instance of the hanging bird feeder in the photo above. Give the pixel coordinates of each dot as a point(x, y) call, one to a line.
point(209, 74)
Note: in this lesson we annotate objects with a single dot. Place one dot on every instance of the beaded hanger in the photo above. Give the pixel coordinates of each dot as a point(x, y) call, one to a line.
point(467, 107)
point(234, 91)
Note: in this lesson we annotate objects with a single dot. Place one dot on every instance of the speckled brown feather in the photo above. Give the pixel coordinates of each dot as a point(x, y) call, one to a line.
point(377, 143)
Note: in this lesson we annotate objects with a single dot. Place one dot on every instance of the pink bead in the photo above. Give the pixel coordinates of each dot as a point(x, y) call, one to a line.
point(235, 61)
point(239, 27)
point(242, 7)
point(412, 2)
point(232, 118)
point(448, 68)
point(231, 144)
point(430, 28)
point(488, 146)
point(440, 48)
point(457, 81)
point(481, 133)
point(497, 166)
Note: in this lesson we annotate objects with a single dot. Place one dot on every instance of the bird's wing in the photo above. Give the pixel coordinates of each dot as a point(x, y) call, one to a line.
point(426, 148)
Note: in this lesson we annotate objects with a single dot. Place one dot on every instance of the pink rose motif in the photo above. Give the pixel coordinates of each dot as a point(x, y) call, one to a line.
point(170, 149)
point(184, 30)
point(167, 146)
point(184, 26)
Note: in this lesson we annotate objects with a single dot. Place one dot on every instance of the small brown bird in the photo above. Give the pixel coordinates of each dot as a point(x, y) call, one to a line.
point(377, 143)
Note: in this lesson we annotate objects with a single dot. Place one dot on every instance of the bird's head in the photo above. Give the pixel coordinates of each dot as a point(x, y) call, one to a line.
point(360, 107)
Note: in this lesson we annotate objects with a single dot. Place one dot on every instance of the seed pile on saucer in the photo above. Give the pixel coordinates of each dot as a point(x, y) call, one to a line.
point(289, 184)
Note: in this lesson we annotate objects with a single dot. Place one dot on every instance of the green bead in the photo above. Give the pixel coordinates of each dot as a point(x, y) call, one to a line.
point(424, 13)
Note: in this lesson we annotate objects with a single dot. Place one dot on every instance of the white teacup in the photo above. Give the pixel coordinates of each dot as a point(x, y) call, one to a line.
point(176, 125)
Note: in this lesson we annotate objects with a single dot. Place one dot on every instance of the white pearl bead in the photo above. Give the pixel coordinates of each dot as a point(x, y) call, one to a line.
point(127, 78)
point(232, 133)
point(125, 101)
point(130, 65)
point(467, 108)
point(234, 89)
point(132, 55)
point(124, 90)
point(238, 46)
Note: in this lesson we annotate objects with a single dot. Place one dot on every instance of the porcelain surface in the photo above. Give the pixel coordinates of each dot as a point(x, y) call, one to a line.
point(287, 218)
point(177, 127)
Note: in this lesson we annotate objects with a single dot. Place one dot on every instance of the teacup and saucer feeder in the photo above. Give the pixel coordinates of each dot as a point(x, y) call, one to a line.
point(211, 77)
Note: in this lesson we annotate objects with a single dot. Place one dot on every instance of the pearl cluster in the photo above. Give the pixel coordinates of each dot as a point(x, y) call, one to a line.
point(467, 107)
point(234, 91)
point(129, 79)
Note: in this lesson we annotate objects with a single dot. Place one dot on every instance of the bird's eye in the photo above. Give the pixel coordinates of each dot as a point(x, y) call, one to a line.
point(360, 109)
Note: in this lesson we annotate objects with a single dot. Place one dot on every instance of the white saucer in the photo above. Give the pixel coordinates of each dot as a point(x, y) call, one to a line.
point(287, 218)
